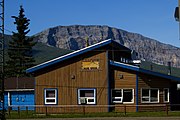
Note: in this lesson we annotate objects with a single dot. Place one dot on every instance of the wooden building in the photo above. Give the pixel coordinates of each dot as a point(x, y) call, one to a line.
point(102, 75)
point(19, 91)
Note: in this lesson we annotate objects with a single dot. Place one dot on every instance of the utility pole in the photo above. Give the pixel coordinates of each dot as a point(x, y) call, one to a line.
point(2, 114)
point(178, 10)
point(179, 16)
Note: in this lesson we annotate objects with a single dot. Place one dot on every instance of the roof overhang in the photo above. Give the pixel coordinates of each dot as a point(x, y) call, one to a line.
point(141, 70)
point(18, 90)
point(73, 54)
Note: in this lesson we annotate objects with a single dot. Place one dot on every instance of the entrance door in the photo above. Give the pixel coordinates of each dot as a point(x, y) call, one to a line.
point(174, 97)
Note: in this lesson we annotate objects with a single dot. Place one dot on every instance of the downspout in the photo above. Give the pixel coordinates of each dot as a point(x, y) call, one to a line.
point(9, 99)
point(34, 93)
point(108, 80)
point(137, 87)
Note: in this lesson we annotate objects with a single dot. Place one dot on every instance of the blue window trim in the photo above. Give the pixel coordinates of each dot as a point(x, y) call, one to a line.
point(95, 93)
point(45, 89)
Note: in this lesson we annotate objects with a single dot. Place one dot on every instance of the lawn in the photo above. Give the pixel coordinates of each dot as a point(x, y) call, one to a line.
point(31, 114)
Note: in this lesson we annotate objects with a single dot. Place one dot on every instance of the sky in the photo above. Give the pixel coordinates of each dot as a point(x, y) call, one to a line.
point(150, 18)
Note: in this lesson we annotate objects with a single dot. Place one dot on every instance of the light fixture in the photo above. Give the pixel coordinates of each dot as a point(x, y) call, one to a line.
point(73, 77)
point(120, 76)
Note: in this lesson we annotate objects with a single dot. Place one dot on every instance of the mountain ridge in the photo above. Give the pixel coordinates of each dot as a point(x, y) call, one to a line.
point(74, 37)
point(41, 52)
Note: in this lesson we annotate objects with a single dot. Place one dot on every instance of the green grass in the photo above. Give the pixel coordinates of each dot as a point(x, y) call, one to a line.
point(31, 114)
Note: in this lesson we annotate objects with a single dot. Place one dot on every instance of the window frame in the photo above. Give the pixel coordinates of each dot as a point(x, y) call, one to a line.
point(132, 95)
point(88, 103)
point(165, 95)
point(112, 97)
point(149, 90)
point(122, 94)
point(51, 98)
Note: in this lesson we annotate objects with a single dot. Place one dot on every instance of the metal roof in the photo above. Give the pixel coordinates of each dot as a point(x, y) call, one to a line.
point(17, 83)
point(141, 70)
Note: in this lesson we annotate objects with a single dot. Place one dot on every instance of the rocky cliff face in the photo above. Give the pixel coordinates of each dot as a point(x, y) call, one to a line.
point(74, 38)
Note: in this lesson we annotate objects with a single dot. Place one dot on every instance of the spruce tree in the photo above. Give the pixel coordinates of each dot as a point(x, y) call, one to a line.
point(20, 48)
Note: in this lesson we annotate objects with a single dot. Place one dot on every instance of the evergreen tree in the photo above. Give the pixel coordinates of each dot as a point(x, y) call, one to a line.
point(20, 48)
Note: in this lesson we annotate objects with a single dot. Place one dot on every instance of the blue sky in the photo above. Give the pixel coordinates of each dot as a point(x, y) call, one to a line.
point(151, 18)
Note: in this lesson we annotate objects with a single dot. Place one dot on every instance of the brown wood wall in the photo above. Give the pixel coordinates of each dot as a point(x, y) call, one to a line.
point(149, 81)
point(59, 76)
point(144, 81)
point(128, 81)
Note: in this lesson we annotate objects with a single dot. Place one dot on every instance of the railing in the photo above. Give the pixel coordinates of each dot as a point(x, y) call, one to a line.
point(85, 109)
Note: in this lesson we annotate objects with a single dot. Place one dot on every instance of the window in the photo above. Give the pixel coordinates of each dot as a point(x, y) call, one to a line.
point(145, 95)
point(123, 96)
point(149, 95)
point(50, 96)
point(166, 95)
point(86, 96)
point(117, 96)
point(128, 96)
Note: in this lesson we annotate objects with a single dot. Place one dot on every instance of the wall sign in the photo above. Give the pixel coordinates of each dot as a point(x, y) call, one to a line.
point(90, 64)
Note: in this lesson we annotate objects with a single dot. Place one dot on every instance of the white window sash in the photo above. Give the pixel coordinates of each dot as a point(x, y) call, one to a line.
point(132, 95)
point(122, 91)
point(164, 94)
point(87, 98)
point(149, 97)
point(146, 97)
point(51, 98)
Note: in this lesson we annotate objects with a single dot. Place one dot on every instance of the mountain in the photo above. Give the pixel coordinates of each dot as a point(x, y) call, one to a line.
point(74, 38)
point(41, 51)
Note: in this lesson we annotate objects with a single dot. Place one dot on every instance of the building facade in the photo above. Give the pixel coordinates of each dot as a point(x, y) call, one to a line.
point(19, 92)
point(102, 75)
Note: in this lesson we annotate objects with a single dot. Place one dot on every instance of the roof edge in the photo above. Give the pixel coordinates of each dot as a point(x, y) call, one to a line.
point(8, 90)
point(70, 55)
point(138, 69)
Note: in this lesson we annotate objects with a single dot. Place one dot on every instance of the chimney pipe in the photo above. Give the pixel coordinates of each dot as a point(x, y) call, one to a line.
point(169, 68)
point(87, 41)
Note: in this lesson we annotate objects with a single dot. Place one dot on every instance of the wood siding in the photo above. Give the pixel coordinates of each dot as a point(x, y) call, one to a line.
point(68, 77)
point(127, 82)
point(144, 81)
point(147, 81)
